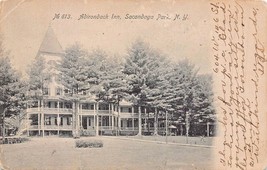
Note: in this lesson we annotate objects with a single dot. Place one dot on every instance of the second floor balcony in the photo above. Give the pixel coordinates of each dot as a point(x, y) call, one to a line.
point(50, 110)
point(47, 110)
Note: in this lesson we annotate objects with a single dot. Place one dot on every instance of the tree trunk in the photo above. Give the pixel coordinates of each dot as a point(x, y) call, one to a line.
point(4, 126)
point(166, 126)
point(75, 120)
point(187, 124)
point(148, 124)
point(139, 122)
point(156, 122)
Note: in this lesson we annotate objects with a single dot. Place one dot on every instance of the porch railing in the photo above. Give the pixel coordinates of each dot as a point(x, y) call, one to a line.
point(129, 128)
point(33, 109)
point(105, 127)
point(56, 127)
point(85, 111)
point(33, 127)
point(54, 110)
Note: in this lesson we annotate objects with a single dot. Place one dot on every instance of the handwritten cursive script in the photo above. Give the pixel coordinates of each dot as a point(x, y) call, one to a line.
point(239, 71)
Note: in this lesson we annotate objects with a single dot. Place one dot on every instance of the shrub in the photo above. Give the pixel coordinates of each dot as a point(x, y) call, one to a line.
point(13, 140)
point(88, 144)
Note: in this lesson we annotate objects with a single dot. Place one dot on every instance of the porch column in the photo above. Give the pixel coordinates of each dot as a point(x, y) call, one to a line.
point(74, 119)
point(39, 123)
point(87, 122)
point(42, 117)
point(97, 119)
point(133, 118)
point(94, 117)
point(145, 125)
point(208, 129)
point(109, 116)
point(27, 118)
point(79, 116)
point(58, 119)
point(39, 117)
point(112, 116)
point(119, 119)
point(58, 106)
point(81, 119)
point(58, 122)
point(133, 124)
point(39, 105)
point(101, 124)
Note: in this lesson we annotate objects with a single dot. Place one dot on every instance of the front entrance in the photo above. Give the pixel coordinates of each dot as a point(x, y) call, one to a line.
point(87, 122)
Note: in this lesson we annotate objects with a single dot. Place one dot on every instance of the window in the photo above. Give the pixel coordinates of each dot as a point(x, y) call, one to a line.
point(46, 91)
point(130, 110)
point(58, 78)
point(89, 122)
point(66, 91)
point(82, 92)
point(129, 123)
point(83, 106)
point(69, 120)
point(55, 120)
point(60, 104)
point(47, 120)
point(103, 107)
point(92, 107)
point(67, 105)
point(61, 121)
point(34, 119)
point(59, 91)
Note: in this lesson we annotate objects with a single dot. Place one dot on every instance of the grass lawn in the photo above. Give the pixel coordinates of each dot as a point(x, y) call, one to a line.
point(60, 153)
point(207, 141)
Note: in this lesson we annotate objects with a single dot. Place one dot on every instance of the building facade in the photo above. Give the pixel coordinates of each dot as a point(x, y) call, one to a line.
point(55, 114)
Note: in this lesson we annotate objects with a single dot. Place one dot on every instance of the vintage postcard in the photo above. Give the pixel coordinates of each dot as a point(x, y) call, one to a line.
point(132, 84)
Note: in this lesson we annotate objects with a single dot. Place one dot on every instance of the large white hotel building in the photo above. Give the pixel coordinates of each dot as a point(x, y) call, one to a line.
point(55, 114)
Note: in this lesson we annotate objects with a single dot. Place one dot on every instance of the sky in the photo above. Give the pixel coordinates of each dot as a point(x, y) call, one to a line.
point(23, 24)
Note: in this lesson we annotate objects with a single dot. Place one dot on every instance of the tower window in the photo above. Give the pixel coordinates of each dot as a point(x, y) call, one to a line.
point(46, 91)
point(59, 91)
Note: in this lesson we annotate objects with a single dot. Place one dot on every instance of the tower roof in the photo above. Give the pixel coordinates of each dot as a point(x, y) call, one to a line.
point(50, 43)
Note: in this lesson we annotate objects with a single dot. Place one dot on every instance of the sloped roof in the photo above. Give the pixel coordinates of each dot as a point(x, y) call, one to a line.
point(50, 43)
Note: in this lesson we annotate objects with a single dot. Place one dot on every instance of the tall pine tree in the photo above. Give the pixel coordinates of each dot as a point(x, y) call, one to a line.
point(74, 78)
point(142, 68)
point(12, 90)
